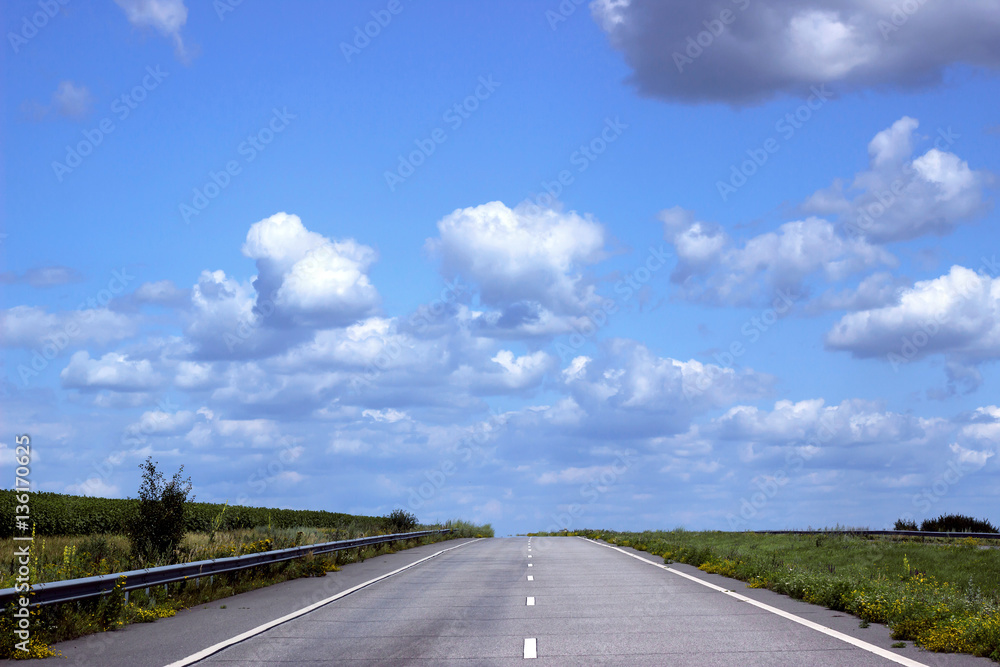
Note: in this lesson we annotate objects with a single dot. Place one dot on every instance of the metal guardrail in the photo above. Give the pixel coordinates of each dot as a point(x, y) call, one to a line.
point(54, 592)
point(902, 533)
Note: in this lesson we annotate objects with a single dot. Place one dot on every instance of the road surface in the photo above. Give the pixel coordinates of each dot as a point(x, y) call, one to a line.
point(552, 600)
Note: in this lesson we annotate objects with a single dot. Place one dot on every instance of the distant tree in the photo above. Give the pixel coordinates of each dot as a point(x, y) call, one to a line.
point(158, 526)
point(957, 523)
point(905, 524)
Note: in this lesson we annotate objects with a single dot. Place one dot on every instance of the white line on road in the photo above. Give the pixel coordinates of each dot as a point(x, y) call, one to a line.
point(530, 578)
point(204, 653)
point(531, 602)
point(863, 645)
point(529, 564)
point(530, 648)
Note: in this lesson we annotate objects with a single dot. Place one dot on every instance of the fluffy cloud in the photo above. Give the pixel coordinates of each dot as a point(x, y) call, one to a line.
point(901, 197)
point(743, 52)
point(71, 100)
point(307, 278)
point(712, 268)
point(956, 314)
point(631, 392)
point(524, 260)
point(166, 16)
point(113, 371)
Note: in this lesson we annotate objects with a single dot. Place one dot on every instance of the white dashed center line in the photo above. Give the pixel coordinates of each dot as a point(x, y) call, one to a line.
point(531, 602)
point(530, 648)
point(530, 578)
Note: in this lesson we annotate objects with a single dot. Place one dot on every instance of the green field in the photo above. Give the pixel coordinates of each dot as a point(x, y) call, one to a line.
point(61, 514)
point(944, 595)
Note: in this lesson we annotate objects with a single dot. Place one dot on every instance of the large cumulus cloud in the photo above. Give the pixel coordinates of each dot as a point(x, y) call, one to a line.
point(762, 48)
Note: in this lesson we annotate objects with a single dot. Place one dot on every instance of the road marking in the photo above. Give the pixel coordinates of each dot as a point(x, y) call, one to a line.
point(529, 564)
point(215, 648)
point(530, 648)
point(530, 578)
point(531, 602)
point(863, 645)
point(529, 555)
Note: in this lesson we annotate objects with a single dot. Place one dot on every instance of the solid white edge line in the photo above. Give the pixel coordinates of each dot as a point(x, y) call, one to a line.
point(863, 645)
point(215, 648)
point(530, 648)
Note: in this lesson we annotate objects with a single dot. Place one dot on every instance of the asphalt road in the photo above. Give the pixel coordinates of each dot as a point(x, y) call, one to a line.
point(584, 604)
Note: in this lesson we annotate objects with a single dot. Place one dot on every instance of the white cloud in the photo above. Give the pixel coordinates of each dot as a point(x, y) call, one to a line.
point(957, 314)
point(71, 100)
point(389, 415)
point(713, 268)
point(166, 16)
point(158, 422)
point(521, 257)
point(976, 459)
point(900, 197)
point(112, 371)
point(742, 52)
point(308, 278)
point(94, 487)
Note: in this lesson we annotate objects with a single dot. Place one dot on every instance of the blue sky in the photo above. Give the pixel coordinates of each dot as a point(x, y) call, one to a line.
point(628, 264)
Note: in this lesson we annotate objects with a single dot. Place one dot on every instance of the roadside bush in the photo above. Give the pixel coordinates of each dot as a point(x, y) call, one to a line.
point(905, 524)
point(958, 523)
point(401, 521)
point(158, 526)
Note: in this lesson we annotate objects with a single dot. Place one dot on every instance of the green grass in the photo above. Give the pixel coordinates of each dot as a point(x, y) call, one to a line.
point(944, 595)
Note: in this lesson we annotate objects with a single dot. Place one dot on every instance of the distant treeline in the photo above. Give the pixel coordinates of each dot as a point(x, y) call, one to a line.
point(61, 514)
point(949, 523)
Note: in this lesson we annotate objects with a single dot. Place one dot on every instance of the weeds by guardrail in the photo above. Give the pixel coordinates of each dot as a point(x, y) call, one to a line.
point(78, 589)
